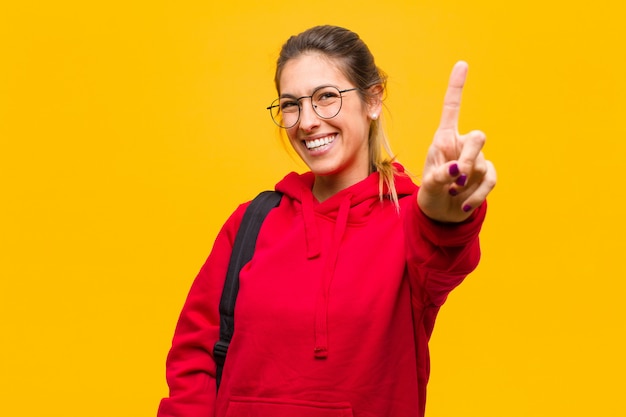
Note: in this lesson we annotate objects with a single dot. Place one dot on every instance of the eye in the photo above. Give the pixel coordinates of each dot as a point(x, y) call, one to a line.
point(326, 95)
point(288, 106)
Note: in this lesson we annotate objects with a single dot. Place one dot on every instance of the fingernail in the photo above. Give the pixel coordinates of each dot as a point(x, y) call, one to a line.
point(467, 208)
point(453, 192)
point(454, 170)
point(461, 180)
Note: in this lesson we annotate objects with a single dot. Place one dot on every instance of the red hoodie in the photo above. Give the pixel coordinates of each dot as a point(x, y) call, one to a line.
point(334, 311)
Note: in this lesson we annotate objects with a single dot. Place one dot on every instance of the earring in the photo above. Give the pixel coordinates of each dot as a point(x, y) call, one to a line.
point(374, 116)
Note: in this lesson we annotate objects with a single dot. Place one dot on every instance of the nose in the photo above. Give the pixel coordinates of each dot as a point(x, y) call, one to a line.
point(309, 120)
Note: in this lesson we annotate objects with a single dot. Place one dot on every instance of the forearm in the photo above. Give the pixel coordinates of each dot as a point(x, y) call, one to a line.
point(441, 255)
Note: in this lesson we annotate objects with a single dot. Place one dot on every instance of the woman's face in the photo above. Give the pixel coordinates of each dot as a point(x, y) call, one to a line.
point(336, 148)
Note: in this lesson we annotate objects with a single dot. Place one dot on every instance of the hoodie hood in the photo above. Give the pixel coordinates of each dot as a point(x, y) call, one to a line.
point(298, 187)
point(348, 207)
point(362, 197)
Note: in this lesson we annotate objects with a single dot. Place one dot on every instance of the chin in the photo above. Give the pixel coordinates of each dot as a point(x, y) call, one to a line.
point(324, 169)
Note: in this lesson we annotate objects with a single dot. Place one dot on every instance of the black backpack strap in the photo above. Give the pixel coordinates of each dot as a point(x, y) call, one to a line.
point(243, 249)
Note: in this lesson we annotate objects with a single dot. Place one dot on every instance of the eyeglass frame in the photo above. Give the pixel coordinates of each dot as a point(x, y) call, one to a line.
point(277, 101)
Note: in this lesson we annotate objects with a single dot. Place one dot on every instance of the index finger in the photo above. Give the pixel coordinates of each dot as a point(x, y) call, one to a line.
point(452, 99)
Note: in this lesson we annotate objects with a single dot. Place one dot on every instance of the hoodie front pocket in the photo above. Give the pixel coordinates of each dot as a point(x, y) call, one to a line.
point(264, 407)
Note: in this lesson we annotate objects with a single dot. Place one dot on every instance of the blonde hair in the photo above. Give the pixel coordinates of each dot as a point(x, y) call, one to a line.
point(357, 64)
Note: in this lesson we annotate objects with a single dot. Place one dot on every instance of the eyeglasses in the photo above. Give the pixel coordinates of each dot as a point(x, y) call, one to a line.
point(326, 102)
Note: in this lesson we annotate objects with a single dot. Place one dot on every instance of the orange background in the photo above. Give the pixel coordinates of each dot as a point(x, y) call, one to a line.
point(130, 130)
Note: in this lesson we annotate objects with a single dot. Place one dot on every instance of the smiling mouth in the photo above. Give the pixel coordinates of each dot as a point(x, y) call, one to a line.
point(319, 143)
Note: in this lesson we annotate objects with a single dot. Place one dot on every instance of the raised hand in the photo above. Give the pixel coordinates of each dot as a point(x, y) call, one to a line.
point(456, 177)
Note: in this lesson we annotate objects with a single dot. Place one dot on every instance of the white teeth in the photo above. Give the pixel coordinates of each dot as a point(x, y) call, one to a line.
point(313, 144)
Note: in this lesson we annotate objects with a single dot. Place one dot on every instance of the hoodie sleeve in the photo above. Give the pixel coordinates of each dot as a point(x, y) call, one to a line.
point(190, 367)
point(440, 255)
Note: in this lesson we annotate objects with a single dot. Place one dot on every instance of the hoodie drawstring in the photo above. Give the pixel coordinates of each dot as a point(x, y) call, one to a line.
point(321, 309)
point(313, 245)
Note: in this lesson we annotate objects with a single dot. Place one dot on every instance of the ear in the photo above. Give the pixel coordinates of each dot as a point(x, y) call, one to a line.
point(374, 102)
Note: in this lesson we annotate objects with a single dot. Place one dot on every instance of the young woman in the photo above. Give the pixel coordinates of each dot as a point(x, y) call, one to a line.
point(336, 307)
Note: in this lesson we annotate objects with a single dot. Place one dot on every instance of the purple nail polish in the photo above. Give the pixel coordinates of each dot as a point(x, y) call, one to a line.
point(453, 192)
point(454, 170)
point(467, 208)
point(461, 180)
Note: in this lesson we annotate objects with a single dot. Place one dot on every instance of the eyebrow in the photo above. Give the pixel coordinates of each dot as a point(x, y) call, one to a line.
point(315, 89)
